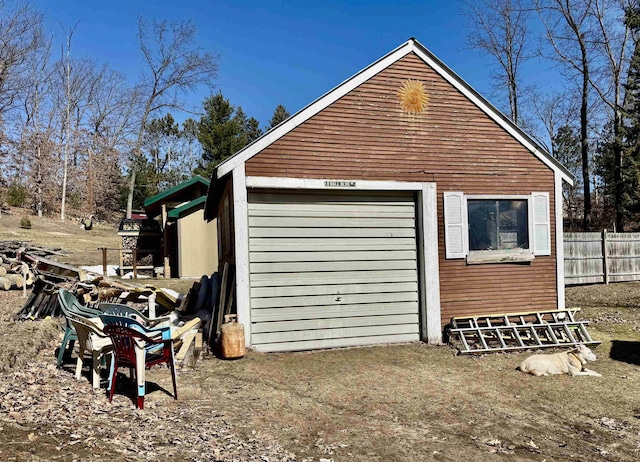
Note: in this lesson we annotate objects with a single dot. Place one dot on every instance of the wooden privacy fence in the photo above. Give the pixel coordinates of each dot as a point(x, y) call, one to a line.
point(591, 258)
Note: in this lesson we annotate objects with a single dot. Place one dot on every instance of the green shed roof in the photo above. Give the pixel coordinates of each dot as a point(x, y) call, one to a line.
point(186, 191)
point(185, 209)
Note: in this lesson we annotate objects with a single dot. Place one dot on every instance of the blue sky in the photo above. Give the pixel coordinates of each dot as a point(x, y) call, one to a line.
point(276, 52)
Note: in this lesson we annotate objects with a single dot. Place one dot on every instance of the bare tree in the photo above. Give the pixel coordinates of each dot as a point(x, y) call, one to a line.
point(612, 38)
point(65, 163)
point(557, 112)
point(499, 28)
point(568, 30)
point(32, 134)
point(553, 110)
point(111, 116)
point(20, 34)
point(175, 66)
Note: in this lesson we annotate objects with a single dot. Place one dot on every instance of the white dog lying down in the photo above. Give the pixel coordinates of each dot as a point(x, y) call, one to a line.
point(569, 362)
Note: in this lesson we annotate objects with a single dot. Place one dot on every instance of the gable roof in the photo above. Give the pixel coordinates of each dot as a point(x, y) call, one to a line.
point(410, 46)
point(185, 191)
point(187, 208)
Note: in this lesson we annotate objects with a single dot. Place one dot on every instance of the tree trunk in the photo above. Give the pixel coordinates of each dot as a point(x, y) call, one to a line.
point(39, 180)
point(91, 199)
point(584, 136)
point(67, 140)
point(617, 171)
point(132, 185)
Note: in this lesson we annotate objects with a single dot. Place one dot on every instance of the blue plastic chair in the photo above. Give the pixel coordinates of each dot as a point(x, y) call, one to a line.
point(118, 309)
point(70, 304)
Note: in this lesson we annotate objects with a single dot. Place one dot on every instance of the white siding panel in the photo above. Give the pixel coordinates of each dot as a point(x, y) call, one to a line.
point(331, 266)
point(331, 232)
point(276, 257)
point(324, 198)
point(333, 323)
point(324, 334)
point(331, 277)
point(324, 222)
point(331, 311)
point(335, 343)
point(332, 211)
point(330, 244)
point(332, 269)
point(336, 299)
point(292, 291)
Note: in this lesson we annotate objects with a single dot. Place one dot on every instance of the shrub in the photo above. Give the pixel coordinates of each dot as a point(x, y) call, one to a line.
point(17, 195)
point(25, 223)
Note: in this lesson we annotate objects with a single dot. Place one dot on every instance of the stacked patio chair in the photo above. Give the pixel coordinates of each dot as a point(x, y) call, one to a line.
point(138, 347)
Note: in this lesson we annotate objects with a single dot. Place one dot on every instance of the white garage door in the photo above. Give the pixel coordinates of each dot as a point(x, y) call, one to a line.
point(332, 270)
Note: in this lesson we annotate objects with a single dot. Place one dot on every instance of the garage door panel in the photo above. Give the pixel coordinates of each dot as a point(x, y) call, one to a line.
point(273, 302)
point(331, 311)
point(331, 232)
point(322, 222)
point(329, 244)
point(331, 277)
point(333, 289)
point(324, 199)
point(330, 211)
point(260, 257)
point(290, 267)
point(325, 334)
point(332, 269)
point(334, 343)
point(334, 323)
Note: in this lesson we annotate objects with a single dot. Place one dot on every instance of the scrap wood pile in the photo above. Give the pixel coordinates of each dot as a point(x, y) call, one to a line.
point(16, 272)
point(47, 276)
point(197, 316)
point(212, 300)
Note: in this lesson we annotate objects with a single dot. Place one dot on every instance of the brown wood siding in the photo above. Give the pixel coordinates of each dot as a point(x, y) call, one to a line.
point(365, 135)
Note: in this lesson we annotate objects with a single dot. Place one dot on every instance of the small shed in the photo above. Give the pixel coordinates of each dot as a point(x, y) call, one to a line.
point(190, 244)
point(397, 200)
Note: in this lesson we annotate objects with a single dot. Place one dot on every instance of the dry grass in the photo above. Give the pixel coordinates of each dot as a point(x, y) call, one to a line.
point(67, 235)
point(20, 342)
point(417, 402)
point(408, 402)
point(414, 402)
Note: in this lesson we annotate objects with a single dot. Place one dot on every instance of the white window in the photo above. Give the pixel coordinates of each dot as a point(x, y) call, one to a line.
point(492, 229)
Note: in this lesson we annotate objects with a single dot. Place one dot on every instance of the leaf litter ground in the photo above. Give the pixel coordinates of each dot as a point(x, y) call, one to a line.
point(404, 403)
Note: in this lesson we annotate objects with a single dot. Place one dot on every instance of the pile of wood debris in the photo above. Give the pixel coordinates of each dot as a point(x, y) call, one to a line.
point(191, 315)
point(93, 289)
point(15, 273)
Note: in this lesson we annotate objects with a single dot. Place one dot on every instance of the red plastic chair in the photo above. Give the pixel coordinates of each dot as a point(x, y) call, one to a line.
point(135, 349)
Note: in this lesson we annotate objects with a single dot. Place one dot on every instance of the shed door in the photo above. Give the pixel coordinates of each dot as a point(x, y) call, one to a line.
point(332, 269)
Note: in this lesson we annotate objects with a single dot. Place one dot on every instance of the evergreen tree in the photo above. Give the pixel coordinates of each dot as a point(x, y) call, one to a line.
point(605, 168)
point(279, 115)
point(252, 129)
point(222, 131)
point(631, 126)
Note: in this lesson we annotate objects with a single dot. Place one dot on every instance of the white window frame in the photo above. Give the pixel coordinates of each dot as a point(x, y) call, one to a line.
point(499, 256)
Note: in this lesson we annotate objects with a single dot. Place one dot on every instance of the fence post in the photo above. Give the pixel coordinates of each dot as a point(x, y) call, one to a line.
point(605, 256)
point(134, 262)
point(104, 261)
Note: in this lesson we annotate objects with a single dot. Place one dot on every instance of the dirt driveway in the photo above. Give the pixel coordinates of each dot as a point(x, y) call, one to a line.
point(402, 403)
